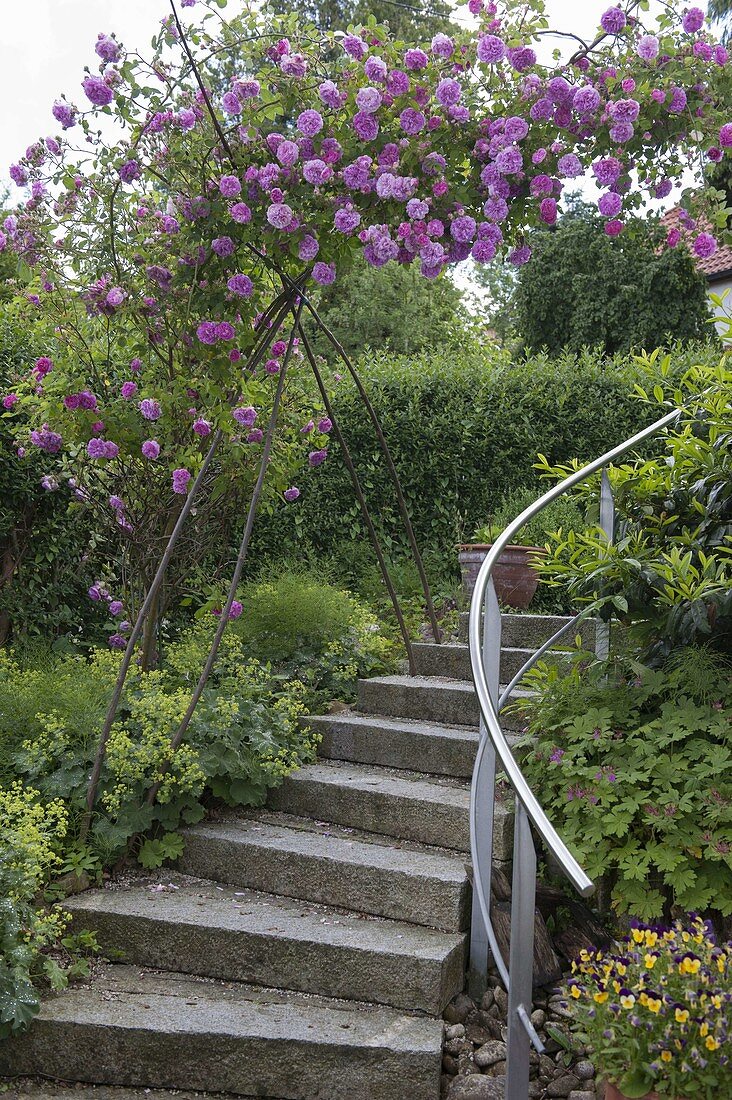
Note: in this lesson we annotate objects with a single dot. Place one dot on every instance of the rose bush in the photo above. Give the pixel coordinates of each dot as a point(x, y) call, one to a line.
point(183, 194)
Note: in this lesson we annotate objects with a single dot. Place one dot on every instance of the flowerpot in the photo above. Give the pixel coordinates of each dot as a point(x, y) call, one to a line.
point(514, 576)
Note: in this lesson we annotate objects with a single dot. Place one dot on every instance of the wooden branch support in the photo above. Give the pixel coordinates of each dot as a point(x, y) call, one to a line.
point(357, 488)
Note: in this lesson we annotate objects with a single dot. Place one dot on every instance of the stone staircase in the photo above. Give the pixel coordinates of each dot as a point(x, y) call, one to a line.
point(305, 950)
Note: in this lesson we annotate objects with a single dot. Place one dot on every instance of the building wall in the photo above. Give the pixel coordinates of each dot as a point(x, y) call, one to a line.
point(718, 286)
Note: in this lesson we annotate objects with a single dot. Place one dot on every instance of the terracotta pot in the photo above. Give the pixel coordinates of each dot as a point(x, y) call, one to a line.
point(515, 578)
point(612, 1092)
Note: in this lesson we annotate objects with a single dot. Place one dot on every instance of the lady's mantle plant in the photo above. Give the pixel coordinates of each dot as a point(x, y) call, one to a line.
point(656, 1012)
point(179, 194)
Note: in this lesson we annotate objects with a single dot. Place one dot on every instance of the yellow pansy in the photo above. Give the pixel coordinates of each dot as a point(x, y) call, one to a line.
point(682, 1015)
point(711, 1043)
point(601, 997)
point(650, 960)
point(653, 1005)
point(575, 992)
point(629, 1001)
point(666, 1056)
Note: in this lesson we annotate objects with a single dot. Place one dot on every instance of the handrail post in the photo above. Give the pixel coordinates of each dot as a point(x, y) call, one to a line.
point(483, 790)
point(607, 523)
point(521, 956)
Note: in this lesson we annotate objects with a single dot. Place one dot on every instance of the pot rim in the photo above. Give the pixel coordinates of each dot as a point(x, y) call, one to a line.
point(467, 546)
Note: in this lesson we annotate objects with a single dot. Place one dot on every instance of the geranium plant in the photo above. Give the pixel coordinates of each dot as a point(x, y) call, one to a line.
point(174, 224)
point(656, 1011)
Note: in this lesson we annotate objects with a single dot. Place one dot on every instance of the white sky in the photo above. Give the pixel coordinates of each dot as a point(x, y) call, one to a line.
point(46, 44)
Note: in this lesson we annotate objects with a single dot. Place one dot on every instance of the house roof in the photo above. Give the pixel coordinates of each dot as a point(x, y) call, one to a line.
point(714, 266)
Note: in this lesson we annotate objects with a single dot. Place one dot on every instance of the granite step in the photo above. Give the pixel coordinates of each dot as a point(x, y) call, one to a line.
point(453, 660)
point(197, 927)
point(408, 805)
point(430, 699)
point(396, 742)
point(531, 631)
point(332, 865)
point(139, 1029)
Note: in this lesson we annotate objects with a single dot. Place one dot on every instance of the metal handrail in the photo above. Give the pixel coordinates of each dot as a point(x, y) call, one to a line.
point(484, 650)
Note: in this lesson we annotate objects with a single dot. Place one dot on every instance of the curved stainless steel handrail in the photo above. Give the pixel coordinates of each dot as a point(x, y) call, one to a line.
point(574, 872)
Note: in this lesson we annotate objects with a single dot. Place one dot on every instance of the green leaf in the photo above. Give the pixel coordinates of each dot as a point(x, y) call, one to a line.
point(636, 1083)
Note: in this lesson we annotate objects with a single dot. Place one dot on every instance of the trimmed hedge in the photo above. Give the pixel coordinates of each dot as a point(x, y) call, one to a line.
point(462, 433)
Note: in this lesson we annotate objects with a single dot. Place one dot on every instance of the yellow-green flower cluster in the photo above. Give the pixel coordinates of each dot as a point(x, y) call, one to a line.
point(139, 748)
point(30, 836)
point(661, 1004)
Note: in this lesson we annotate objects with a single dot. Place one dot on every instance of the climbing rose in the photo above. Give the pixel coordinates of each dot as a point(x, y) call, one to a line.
point(150, 408)
point(279, 214)
point(613, 228)
point(324, 273)
point(366, 126)
point(648, 47)
point(46, 439)
point(128, 390)
point(548, 211)
point(448, 92)
point(245, 415)
point(229, 186)
point(705, 245)
point(610, 204)
point(368, 100)
point(97, 92)
point(309, 123)
point(241, 213)
point(107, 48)
point(325, 425)
point(693, 20)
point(201, 427)
point(206, 332)
point(64, 114)
point(613, 21)
point(315, 458)
point(130, 171)
point(725, 136)
point(291, 494)
point(241, 285)
point(150, 448)
point(490, 49)
point(442, 46)
point(181, 477)
point(416, 59)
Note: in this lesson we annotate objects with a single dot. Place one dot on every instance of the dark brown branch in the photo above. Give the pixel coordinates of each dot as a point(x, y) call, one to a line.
point(241, 558)
point(357, 488)
point(204, 91)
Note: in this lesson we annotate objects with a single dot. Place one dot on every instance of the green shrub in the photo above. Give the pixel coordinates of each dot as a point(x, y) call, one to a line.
point(312, 632)
point(668, 575)
point(244, 737)
point(465, 430)
point(634, 768)
point(620, 295)
point(31, 839)
point(562, 514)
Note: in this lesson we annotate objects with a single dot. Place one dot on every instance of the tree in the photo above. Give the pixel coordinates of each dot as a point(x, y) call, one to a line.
point(496, 307)
point(415, 22)
point(584, 288)
point(392, 308)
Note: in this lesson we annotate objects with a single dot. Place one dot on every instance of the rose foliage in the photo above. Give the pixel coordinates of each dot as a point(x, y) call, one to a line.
point(173, 202)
